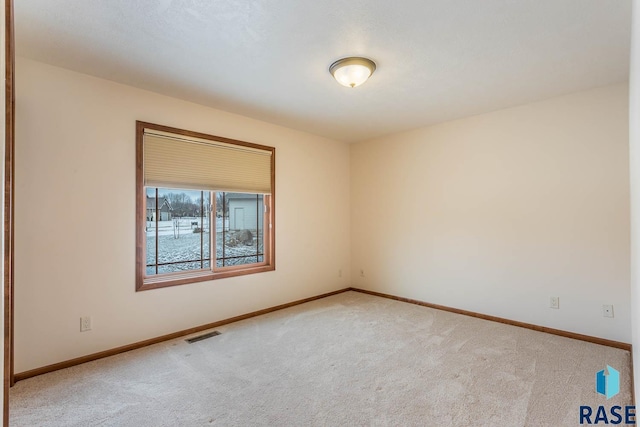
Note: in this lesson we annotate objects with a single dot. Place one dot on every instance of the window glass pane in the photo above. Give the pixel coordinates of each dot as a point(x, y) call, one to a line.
point(181, 266)
point(150, 231)
point(177, 230)
point(239, 229)
point(204, 200)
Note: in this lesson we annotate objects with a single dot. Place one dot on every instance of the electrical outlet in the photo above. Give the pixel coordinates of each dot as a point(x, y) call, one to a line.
point(85, 324)
point(554, 302)
point(361, 272)
point(607, 310)
point(340, 273)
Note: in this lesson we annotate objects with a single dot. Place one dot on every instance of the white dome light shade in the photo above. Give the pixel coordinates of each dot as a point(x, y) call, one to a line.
point(352, 72)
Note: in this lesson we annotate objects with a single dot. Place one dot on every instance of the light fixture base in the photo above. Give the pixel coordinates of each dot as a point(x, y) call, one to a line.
point(352, 71)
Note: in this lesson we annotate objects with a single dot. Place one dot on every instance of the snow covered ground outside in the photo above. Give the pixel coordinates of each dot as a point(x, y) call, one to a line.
point(182, 226)
point(178, 242)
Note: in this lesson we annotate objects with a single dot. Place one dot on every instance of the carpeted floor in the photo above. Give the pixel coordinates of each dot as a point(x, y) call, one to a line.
point(346, 360)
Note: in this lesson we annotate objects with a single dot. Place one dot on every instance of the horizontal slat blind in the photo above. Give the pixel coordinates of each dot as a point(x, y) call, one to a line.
point(178, 162)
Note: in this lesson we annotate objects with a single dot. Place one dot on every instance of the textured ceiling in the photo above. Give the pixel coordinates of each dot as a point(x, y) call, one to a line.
point(437, 59)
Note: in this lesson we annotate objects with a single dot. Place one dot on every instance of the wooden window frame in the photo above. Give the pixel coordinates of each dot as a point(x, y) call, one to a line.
point(144, 282)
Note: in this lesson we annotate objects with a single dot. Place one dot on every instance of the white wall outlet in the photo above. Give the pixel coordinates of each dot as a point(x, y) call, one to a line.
point(607, 310)
point(85, 324)
point(361, 272)
point(554, 302)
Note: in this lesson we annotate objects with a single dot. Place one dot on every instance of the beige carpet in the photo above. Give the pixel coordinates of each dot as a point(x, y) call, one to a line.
point(346, 360)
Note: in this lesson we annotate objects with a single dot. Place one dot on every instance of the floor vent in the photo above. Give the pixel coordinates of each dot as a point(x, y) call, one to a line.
point(202, 337)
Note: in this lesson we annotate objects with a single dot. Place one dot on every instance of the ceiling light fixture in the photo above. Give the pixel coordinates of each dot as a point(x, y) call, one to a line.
point(352, 71)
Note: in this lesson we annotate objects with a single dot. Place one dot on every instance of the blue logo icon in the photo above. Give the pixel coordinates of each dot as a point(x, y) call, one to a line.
point(608, 384)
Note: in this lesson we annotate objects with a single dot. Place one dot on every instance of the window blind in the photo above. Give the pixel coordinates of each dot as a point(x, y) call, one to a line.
point(177, 161)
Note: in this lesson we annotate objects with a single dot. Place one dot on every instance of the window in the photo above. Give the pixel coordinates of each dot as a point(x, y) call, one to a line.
point(205, 207)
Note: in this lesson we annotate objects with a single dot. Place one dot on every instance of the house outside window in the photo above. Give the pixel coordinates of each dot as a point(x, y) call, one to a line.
point(158, 210)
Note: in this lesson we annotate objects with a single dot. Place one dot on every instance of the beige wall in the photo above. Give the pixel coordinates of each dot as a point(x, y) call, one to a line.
point(496, 213)
point(75, 218)
point(634, 168)
point(493, 213)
